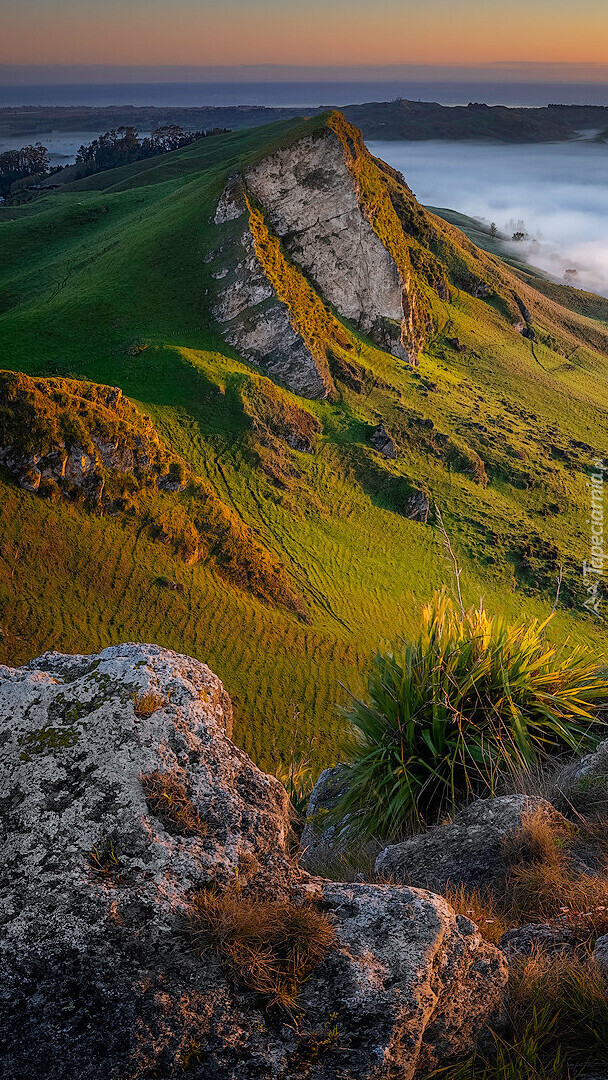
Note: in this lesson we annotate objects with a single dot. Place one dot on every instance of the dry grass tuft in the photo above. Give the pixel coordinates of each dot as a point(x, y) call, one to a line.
point(270, 945)
point(557, 1023)
point(571, 985)
point(570, 996)
point(542, 838)
point(481, 908)
point(147, 703)
point(167, 797)
point(543, 881)
point(542, 892)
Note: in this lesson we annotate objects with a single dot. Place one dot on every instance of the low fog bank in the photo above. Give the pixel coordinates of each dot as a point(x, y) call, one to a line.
point(555, 193)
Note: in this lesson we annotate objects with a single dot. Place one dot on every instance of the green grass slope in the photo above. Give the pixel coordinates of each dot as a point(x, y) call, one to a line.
point(107, 281)
point(577, 300)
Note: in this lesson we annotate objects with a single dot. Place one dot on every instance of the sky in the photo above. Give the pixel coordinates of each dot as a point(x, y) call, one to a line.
point(330, 34)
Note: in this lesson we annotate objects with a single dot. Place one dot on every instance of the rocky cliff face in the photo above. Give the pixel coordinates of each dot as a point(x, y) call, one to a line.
point(308, 246)
point(253, 318)
point(340, 233)
point(311, 203)
point(124, 799)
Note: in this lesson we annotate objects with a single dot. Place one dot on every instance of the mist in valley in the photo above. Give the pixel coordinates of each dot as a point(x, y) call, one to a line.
point(556, 193)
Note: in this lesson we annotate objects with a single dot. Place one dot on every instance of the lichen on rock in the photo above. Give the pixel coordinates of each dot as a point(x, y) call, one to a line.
point(137, 803)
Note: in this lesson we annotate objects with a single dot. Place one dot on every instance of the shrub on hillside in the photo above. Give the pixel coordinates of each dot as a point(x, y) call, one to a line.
point(449, 713)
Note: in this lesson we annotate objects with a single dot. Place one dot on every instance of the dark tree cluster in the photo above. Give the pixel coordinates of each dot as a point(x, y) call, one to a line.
point(22, 168)
point(122, 145)
point(15, 165)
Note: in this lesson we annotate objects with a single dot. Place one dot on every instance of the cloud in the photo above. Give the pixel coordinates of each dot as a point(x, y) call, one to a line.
point(558, 190)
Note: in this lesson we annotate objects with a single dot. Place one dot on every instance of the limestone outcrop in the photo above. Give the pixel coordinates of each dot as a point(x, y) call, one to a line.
point(314, 215)
point(253, 318)
point(319, 236)
point(311, 202)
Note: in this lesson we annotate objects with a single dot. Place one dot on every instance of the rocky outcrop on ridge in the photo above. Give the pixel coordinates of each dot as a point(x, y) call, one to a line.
point(66, 437)
point(87, 443)
point(122, 796)
point(345, 228)
point(311, 202)
point(253, 318)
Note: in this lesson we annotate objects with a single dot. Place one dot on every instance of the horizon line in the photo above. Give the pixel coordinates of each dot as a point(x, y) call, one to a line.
point(559, 71)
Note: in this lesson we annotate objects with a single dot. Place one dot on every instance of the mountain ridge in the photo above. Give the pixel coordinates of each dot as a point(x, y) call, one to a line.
point(396, 119)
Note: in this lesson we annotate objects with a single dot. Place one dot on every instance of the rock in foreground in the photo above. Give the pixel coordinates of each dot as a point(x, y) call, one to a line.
point(468, 852)
point(327, 846)
point(122, 793)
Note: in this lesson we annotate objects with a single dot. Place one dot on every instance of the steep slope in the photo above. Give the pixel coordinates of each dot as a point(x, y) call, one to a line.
point(86, 444)
point(64, 438)
point(326, 360)
point(367, 248)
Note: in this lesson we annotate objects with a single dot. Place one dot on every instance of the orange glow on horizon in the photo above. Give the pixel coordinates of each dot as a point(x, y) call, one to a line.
point(457, 33)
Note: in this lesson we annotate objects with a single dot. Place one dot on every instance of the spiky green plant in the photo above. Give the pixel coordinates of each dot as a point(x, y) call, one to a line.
point(449, 713)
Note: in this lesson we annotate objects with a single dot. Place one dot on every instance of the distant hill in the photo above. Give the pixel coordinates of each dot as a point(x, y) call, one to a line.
point(311, 360)
point(398, 119)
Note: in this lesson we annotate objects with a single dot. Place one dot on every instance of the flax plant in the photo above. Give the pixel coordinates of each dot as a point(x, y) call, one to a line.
point(448, 714)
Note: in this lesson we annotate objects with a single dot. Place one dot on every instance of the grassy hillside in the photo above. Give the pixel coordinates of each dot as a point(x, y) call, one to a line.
point(578, 300)
point(107, 281)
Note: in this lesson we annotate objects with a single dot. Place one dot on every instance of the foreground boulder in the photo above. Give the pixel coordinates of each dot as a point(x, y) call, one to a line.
point(583, 785)
point(411, 985)
point(468, 852)
point(123, 795)
point(553, 938)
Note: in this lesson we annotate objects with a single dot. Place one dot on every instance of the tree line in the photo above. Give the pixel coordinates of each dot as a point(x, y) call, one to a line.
point(120, 146)
point(123, 145)
point(16, 165)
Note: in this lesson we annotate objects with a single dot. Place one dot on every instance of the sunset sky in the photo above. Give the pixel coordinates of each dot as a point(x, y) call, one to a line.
point(311, 32)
